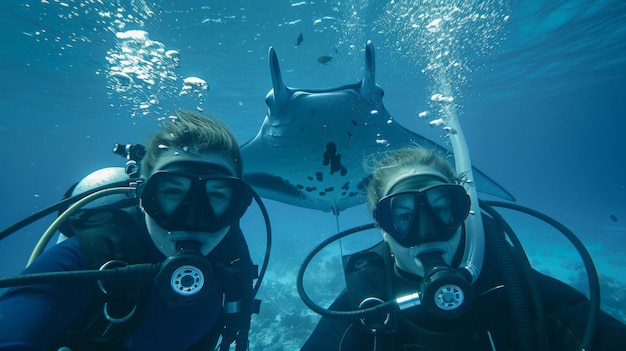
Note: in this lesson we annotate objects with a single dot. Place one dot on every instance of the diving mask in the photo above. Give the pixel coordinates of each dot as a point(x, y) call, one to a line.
point(195, 197)
point(445, 205)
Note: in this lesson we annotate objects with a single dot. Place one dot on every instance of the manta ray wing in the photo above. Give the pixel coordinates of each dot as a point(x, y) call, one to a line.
point(311, 147)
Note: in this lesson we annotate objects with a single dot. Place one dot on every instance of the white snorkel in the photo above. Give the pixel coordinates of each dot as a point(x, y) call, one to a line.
point(474, 236)
point(446, 25)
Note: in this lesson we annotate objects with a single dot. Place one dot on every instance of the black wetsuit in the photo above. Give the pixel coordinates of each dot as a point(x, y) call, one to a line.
point(487, 325)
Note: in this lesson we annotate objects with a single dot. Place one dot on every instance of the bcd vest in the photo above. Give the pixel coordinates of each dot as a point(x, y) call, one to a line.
point(110, 235)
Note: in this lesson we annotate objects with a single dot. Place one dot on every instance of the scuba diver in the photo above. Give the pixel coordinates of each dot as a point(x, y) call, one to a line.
point(182, 229)
point(412, 292)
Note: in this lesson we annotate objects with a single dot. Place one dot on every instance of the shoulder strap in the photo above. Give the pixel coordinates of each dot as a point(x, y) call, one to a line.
point(235, 273)
point(105, 235)
point(116, 234)
point(365, 273)
point(368, 277)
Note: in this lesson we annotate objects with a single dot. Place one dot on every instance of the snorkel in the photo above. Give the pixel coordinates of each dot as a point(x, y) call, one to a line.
point(474, 236)
point(446, 291)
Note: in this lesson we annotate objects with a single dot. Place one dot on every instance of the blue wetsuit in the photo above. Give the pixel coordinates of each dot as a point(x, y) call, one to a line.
point(31, 317)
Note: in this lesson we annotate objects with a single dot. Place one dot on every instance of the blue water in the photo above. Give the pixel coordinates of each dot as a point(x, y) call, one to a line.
point(539, 87)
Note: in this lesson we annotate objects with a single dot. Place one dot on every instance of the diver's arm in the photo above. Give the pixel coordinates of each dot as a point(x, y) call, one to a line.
point(566, 316)
point(32, 316)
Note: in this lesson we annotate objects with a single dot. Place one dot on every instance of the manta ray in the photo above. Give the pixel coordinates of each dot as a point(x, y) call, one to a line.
point(312, 145)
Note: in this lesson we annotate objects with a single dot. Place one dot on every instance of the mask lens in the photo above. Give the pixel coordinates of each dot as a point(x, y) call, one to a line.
point(219, 192)
point(440, 203)
point(170, 192)
point(402, 209)
point(445, 206)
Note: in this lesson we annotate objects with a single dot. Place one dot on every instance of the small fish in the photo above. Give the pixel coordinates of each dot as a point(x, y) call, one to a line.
point(324, 59)
point(613, 218)
point(299, 40)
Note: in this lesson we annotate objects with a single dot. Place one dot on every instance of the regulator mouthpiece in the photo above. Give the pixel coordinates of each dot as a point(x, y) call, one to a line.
point(186, 277)
point(445, 291)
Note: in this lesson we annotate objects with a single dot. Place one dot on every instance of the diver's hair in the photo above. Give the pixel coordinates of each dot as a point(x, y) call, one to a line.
point(189, 129)
point(395, 162)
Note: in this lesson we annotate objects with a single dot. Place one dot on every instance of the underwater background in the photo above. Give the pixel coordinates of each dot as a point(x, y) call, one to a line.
point(539, 86)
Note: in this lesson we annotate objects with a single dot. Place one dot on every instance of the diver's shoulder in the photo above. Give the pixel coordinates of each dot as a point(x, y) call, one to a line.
point(64, 256)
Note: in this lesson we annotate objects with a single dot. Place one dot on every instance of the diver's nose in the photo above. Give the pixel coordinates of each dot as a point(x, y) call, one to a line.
point(196, 211)
point(425, 228)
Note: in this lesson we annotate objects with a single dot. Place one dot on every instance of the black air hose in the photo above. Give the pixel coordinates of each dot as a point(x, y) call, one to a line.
point(518, 298)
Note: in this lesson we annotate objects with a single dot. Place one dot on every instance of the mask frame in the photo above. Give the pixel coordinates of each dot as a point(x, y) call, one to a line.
point(195, 212)
point(408, 233)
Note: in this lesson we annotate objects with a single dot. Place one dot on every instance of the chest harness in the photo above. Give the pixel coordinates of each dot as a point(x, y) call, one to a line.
point(112, 238)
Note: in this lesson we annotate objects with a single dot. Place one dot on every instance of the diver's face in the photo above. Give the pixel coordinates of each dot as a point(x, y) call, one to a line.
point(422, 223)
point(173, 190)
